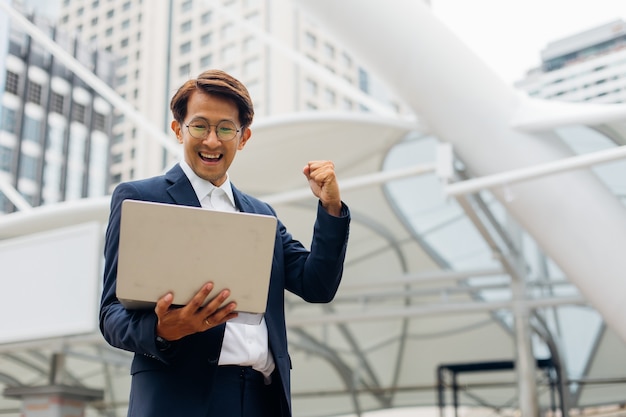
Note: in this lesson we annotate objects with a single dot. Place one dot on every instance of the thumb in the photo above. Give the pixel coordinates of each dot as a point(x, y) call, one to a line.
point(163, 304)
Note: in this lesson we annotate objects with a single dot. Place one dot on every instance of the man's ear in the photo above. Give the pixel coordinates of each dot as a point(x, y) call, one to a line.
point(244, 138)
point(177, 129)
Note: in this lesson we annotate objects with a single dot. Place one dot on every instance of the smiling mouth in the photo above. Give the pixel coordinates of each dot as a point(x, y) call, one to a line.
point(210, 157)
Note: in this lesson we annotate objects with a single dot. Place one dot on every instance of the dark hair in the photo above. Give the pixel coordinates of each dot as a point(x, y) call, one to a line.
point(218, 83)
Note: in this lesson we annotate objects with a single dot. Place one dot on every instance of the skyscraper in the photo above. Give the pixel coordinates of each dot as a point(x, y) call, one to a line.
point(287, 62)
point(54, 129)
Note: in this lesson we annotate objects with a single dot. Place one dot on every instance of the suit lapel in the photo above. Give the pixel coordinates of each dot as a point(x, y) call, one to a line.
point(180, 189)
point(241, 201)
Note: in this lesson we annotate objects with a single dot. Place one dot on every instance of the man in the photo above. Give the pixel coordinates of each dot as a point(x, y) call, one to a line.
point(191, 361)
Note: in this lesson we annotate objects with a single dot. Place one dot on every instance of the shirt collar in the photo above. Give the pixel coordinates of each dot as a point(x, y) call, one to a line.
point(203, 187)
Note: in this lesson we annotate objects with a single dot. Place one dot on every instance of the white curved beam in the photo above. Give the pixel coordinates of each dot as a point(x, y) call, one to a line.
point(535, 115)
point(14, 196)
point(572, 216)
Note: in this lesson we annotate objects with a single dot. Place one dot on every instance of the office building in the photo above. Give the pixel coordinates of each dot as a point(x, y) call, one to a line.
point(287, 63)
point(54, 129)
point(588, 66)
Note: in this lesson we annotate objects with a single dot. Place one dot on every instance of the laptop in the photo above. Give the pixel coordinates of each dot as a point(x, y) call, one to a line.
point(171, 248)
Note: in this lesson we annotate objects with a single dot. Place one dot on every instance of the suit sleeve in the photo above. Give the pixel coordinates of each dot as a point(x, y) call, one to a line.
point(315, 275)
point(134, 330)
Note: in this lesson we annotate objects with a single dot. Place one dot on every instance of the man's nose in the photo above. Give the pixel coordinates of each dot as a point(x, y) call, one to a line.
point(212, 135)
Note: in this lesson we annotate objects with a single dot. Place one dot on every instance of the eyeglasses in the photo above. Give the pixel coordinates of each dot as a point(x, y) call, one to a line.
point(200, 129)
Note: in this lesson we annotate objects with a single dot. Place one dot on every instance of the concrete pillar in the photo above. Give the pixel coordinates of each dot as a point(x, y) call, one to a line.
point(53, 400)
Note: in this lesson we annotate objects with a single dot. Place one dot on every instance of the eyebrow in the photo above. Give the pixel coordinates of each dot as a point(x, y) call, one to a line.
point(209, 122)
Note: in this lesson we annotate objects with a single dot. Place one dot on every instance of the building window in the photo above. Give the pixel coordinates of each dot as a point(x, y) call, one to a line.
point(205, 18)
point(9, 120)
point(119, 138)
point(116, 178)
point(186, 6)
point(124, 43)
point(311, 87)
point(110, 14)
point(205, 39)
point(32, 129)
point(108, 32)
point(34, 93)
point(126, 6)
point(12, 82)
point(310, 40)
point(346, 60)
point(78, 113)
point(99, 121)
point(331, 97)
point(363, 80)
point(186, 26)
point(184, 70)
point(116, 158)
point(6, 158)
point(205, 61)
point(185, 48)
point(56, 102)
point(28, 167)
point(125, 24)
point(329, 50)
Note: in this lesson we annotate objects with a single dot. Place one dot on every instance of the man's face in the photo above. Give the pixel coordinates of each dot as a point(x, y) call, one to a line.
point(210, 158)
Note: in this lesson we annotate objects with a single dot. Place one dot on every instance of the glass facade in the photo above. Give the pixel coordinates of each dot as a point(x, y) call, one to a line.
point(40, 99)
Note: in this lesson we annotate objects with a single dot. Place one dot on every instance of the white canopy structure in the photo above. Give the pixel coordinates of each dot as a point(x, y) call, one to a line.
point(485, 264)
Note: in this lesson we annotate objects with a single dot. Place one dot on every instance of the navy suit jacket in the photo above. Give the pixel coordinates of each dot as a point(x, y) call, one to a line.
point(178, 381)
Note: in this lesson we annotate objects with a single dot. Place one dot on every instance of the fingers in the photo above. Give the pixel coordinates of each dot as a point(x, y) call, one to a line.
point(198, 300)
point(323, 183)
point(319, 170)
point(176, 323)
point(213, 314)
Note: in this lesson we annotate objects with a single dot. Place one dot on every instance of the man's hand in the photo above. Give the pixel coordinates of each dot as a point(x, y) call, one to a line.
point(176, 323)
point(323, 183)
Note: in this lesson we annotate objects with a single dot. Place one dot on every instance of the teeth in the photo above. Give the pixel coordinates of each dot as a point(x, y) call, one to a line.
point(210, 156)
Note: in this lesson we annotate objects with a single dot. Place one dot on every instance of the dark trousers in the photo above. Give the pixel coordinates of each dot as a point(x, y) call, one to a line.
point(241, 392)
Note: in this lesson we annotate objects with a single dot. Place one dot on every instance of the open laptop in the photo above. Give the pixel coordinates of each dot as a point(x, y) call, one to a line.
point(166, 247)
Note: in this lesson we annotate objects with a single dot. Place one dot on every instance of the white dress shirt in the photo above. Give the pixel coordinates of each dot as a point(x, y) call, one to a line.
point(244, 344)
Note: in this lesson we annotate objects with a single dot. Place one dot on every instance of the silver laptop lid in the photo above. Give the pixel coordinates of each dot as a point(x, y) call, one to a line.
point(166, 247)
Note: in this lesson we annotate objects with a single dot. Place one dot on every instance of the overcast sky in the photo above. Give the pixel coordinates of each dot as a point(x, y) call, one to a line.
point(510, 34)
